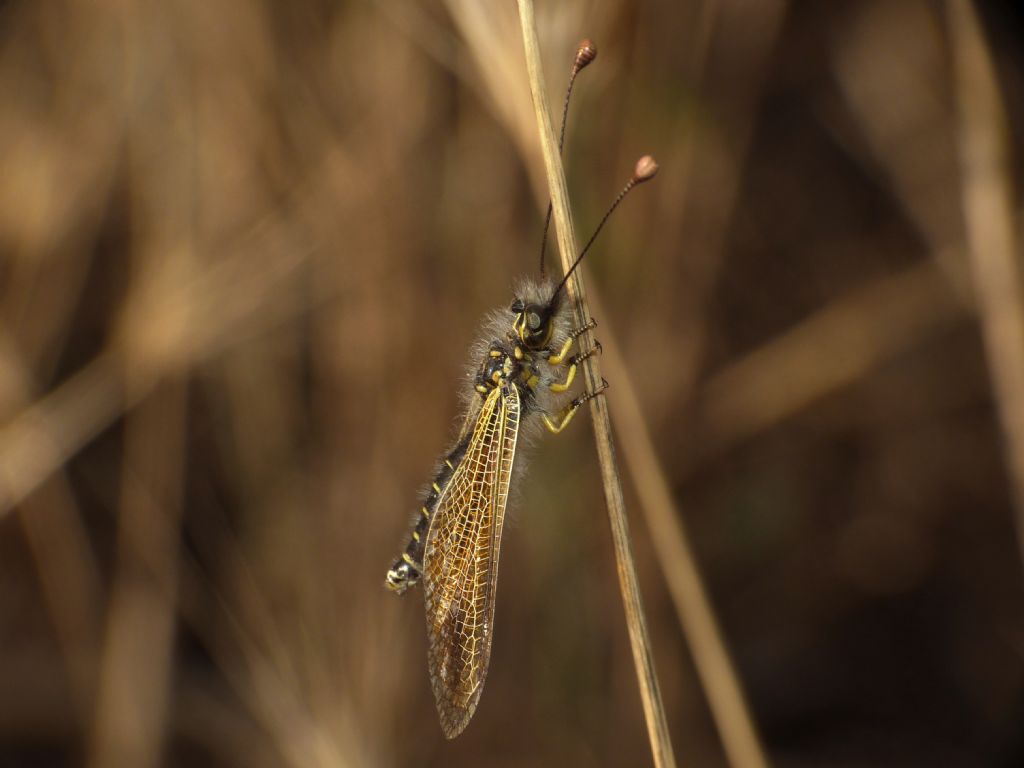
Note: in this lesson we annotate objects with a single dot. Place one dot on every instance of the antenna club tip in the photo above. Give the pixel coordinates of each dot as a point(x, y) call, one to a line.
point(586, 52)
point(645, 169)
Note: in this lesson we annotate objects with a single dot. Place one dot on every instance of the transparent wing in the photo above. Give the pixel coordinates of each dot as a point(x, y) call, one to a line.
point(460, 564)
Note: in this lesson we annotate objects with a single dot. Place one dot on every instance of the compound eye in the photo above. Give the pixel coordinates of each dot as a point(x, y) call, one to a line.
point(533, 321)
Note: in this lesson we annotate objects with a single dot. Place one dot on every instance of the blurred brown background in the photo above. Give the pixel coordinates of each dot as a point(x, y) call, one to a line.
point(244, 247)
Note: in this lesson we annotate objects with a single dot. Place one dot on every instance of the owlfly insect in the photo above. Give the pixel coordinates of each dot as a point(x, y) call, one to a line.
point(524, 364)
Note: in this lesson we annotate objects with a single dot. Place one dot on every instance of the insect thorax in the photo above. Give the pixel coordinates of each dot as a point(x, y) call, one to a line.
point(507, 361)
point(522, 343)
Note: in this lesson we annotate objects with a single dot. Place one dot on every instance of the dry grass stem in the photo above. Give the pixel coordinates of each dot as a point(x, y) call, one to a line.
point(47, 433)
point(489, 32)
point(135, 670)
point(70, 580)
point(989, 206)
point(676, 559)
point(835, 347)
point(68, 573)
point(654, 710)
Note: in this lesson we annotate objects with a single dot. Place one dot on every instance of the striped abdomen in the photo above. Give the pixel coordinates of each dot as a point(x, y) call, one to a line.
point(408, 568)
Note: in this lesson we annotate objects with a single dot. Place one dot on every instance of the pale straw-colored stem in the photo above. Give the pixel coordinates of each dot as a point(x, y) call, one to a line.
point(675, 555)
point(650, 693)
point(989, 207)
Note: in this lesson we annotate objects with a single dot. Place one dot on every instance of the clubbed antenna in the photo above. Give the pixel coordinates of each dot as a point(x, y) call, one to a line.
point(645, 169)
point(586, 52)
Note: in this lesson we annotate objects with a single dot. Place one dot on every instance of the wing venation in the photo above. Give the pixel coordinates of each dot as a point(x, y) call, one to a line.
point(460, 564)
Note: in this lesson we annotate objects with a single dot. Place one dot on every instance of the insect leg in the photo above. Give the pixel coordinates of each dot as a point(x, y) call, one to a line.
point(561, 421)
point(575, 334)
point(562, 386)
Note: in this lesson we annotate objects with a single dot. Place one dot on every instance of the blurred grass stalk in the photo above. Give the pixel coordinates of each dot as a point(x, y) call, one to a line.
point(989, 205)
point(676, 558)
point(650, 692)
point(839, 345)
point(137, 661)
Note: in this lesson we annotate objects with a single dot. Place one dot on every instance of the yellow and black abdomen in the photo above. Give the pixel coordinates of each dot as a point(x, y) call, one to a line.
point(408, 568)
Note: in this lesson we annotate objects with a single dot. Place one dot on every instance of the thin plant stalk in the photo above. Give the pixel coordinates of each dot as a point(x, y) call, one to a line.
point(650, 693)
point(989, 205)
point(672, 546)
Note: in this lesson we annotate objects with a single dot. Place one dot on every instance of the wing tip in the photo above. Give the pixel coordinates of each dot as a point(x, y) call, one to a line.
point(454, 723)
point(454, 710)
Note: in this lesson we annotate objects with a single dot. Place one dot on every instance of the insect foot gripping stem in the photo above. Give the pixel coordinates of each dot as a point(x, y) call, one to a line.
point(561, 421)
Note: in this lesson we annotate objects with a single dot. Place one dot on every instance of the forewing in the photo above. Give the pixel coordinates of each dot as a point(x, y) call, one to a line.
point(460, 564)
